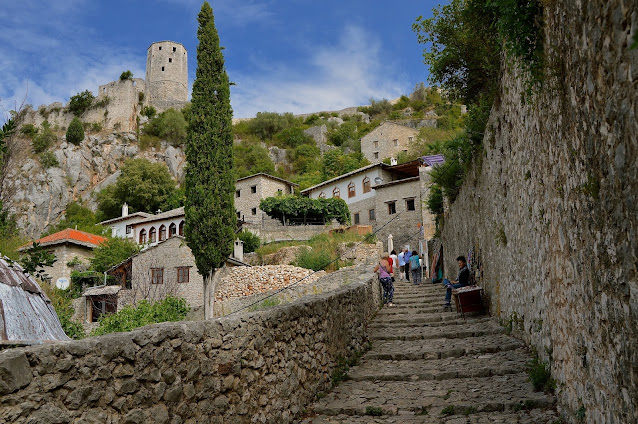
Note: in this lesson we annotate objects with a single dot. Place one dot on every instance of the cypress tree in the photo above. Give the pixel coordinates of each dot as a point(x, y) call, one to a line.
point(210, 183)
point(75, 132)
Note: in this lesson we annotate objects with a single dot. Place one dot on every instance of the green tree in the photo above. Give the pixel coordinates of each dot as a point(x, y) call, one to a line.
point(305, 158)
point(126, 75)
point(112, 252)
point(169, 125)
point(266, 124)
point(149, 111)
point(336, 163)
point(78, 216)
point(75, 132)
point(251, 241)
point(42, 141)
point(292, 137)
point(81, 102)
point(210, 177)
point(143, 185)
point(35, 259)
point(252, 158)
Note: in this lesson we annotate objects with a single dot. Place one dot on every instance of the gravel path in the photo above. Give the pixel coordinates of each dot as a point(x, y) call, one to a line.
point(431, 366)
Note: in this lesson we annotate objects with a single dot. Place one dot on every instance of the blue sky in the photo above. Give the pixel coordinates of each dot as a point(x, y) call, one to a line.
point(284, 55)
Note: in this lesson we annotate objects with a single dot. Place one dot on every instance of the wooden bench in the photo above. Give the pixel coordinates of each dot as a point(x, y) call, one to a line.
point(469, 299)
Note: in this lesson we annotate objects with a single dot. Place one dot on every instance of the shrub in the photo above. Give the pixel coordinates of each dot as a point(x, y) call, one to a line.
point(140, 96)
point(377, 108)
point(149, 111)
point(292, 137)
point(252, 158)
point(435, 200)
point(29, 129)
point(170, 125)
point(144, 313)
point(48, 160)
point(62, 301)
point(96, 127)
point(251, 241)
point(314, 259)
point(266, 124)
point(75, 132)
point(112, 252)
point(44, 139)
point(126, 75)
point(81, 102)
point(298, 207)
point(78, 216)
point(540, 375)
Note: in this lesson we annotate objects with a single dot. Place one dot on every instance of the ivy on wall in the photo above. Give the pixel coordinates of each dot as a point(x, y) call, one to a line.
point(297, 207)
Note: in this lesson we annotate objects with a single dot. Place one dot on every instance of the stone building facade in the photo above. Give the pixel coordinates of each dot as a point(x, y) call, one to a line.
point(387, 140)
point(249, 191)
point(550, 209)
point(68, 246)
point(118, 104)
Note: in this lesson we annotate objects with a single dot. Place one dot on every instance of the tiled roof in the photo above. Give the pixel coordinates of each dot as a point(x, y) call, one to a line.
point(263, 174)
point(69, 236)
point(340, 177)
point(173, 213)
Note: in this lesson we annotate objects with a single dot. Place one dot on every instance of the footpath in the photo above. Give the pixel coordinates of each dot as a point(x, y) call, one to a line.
point(431, 366)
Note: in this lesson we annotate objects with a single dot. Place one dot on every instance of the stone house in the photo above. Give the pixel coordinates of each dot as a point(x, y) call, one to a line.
point(122, 226)
point(249, 191)
point(68, 246)
point(159, 227)
point(387, 141)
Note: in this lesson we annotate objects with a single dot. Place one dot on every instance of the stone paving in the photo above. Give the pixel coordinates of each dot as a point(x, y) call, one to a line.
point(428, 365)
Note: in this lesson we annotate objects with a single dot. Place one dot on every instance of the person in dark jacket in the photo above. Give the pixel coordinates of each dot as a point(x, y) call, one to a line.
point(462, 280)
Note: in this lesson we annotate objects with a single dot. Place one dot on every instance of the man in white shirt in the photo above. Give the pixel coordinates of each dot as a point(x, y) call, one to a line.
point(402, 264)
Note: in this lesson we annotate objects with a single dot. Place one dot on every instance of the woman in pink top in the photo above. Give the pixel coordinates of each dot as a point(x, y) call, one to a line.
point(384, 270)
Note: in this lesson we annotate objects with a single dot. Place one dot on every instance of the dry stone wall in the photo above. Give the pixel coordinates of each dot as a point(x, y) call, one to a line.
point(550, 209)
point(258, 367)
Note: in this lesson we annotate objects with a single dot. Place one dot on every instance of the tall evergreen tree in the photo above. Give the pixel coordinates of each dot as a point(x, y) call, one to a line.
point(210, 180)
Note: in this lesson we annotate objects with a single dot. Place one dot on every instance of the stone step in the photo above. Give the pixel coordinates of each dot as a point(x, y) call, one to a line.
point(428, 321)
point(399, 309)
point(442, 348)
point(450, 331)
point(470, 366)
point(535, 416)
point(419, 318)
point(500, 393)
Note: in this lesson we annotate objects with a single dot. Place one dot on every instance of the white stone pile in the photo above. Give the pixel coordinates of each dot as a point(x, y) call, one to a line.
point(245, 281)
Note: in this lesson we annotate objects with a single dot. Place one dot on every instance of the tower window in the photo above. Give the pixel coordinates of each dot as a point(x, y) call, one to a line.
point(174, 49)
point(162, 69)
point(160, 47)
point(253, 211)
point(170, 60)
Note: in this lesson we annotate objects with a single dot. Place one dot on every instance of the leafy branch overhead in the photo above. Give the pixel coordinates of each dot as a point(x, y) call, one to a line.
point(284, 207)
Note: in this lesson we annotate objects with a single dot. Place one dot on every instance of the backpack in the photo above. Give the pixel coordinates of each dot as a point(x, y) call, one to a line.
point(414, 262)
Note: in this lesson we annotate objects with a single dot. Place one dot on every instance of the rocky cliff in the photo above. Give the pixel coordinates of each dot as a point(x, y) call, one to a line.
point(550, 210)
point(38, 196)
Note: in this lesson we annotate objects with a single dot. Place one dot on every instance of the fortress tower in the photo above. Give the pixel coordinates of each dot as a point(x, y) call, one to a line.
point(166, 75)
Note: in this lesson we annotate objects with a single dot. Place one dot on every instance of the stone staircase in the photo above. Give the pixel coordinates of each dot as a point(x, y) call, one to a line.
point(427, 365)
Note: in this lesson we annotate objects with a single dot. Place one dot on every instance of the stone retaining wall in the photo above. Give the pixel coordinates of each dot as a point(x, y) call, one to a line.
point(550, 208)
point(258, 367)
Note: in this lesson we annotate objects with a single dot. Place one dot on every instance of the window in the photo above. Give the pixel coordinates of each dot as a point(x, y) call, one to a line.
point(410, 139)
point(253, 189)
point(322, 195)
point(356, 219)
point(157, 275)
point(392, 208)
point(160, 47)
point(180, 230)
point(101, 305)
point(238, 215)
point(170, 60)
point(375, 144)
point(279, 192)
point(174, 49)
point(376, 155)
point(172, 230)
point(366, 185)
point(129, 228)
point(162, 233)
point(372, 215)
point(183, 274)
point(336, 192)
point(396, 142)
point(152, 235)
point(162, 69)
point(253, 211)
point(143, 237)
point(351, 190)
point(237, 193)
point(409, 205)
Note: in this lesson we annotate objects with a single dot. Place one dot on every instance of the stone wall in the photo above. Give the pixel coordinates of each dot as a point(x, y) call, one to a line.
point(274, 231)
point(387, 140)
point(247, 202)
point(257, 367)
point(550, 209)
point(64, 254)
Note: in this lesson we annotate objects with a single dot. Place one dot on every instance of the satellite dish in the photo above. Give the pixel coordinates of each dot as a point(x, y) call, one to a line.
point(62, 283)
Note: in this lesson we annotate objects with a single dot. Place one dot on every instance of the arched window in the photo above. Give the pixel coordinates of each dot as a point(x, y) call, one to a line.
point(162, 232)
point(152, 235)
point(351, 190)
point(143, 237)
point(336, 192)
point(322, 195)
point(181, 228)
point(366, 185)
point(172, 230)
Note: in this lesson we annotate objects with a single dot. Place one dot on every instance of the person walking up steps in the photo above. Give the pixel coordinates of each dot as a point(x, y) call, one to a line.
point(402, 265)
point(415, 268)
point(383, 267)
point(406, 258)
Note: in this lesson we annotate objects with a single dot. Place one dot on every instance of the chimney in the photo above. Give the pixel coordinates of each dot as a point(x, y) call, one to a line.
point(124, 210)
point(238, 252)
point(393, 161)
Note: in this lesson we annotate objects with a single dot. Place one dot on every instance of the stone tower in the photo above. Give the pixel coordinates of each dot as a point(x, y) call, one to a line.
point(166, 75)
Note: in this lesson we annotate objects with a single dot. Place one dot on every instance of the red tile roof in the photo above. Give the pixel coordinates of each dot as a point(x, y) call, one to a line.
point(69, 236)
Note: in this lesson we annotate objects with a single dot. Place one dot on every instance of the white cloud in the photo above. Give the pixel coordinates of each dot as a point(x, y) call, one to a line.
point(333, 77)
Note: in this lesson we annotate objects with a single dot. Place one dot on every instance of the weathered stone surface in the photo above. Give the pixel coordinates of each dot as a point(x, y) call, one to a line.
point(15, 372)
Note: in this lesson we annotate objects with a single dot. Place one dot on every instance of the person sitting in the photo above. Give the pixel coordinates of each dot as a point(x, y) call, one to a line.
point(462, 280)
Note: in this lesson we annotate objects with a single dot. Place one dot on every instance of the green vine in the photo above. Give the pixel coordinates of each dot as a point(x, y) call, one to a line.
point(297, 207)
